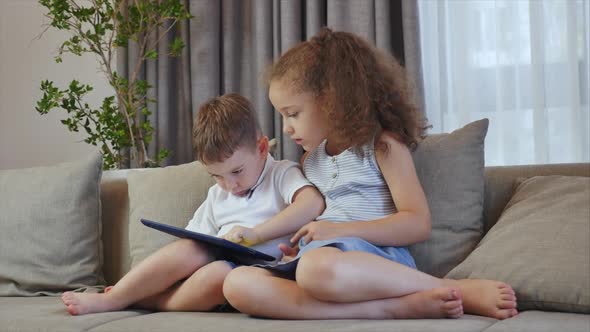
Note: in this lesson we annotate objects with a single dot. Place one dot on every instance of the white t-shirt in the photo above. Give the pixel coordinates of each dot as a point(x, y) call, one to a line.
point(272, 193)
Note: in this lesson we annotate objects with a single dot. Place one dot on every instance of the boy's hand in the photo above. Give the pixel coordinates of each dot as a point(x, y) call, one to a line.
point(317, 230)
point(243, 235)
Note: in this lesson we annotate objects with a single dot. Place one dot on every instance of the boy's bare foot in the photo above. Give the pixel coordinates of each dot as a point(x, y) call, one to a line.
point(86, 303)
point(489, 298)
point(433, 303)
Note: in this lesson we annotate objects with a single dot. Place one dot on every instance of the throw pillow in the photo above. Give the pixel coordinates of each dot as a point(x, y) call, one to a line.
point(170, 195)
point(540, 245)
point(451, 170)
point(50, 229)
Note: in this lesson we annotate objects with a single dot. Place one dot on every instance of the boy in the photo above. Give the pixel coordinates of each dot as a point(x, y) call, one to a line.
point(255, 199)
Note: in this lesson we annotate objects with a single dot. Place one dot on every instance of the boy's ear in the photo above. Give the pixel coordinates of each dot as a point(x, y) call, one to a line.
point(262, 146)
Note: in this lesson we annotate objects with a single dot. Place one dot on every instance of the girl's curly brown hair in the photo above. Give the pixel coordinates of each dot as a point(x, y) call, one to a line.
point(362, 89)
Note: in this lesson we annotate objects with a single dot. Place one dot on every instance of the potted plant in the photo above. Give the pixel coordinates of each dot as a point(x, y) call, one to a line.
point(120, 124)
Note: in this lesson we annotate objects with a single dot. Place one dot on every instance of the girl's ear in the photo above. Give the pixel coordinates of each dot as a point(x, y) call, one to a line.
point(262, 146)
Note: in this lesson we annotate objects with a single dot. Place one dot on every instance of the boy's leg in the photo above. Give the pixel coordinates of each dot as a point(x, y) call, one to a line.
point(332, 275)
point(257, 292)
point(202, 291)
point(159, 271)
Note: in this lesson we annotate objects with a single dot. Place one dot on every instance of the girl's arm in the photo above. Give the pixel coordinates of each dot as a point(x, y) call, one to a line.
point(411, 224)
point(307, 205)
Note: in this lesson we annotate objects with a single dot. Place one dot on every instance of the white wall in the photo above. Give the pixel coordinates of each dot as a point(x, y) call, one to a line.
point(28, 139)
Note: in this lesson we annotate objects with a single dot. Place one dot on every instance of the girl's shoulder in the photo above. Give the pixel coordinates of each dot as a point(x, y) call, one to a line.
point(389, 142)
point(391, 153)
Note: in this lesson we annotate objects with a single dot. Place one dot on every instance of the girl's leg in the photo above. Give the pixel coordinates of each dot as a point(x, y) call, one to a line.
point(332, 275)
point(256, 291)
point(202, 291)
point(159, 271)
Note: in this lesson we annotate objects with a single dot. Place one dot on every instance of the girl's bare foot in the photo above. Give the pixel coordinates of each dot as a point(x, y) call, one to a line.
point(86, 303)
point(489, 298)
point(432, 303)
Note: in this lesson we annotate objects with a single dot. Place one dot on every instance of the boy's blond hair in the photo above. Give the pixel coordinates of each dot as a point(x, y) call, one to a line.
point(223, 125)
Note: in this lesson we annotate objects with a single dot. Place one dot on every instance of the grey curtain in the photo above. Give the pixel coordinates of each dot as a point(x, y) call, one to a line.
point(230, 43)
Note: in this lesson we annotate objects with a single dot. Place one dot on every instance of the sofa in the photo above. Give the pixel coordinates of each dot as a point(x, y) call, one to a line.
point(79, 230)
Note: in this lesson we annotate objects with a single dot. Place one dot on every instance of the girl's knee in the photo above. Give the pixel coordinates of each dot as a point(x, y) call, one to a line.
point(237, 280)
point(317, 269)
point(237, 287)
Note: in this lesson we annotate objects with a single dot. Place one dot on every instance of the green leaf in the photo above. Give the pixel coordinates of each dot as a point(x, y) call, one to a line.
point(151, 55)
point(112, 124)
point(176, 46)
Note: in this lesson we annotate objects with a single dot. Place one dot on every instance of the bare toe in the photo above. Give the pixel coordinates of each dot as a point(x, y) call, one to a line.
point(72, 310)
point(488, 298)
point(83, 303)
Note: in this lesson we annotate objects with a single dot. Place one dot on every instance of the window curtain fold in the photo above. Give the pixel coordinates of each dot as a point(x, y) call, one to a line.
point(229, 43)
point(522, 64)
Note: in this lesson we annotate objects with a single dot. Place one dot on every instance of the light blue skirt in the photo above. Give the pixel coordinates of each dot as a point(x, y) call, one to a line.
point(399, 255)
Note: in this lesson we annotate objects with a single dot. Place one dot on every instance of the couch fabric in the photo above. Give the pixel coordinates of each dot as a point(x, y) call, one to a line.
point(170, 195)
point(50, 229)
point(451, 170)
point(128, 195)
point(540, 245)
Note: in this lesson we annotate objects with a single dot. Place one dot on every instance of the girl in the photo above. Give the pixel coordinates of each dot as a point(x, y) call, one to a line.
point(347, 105)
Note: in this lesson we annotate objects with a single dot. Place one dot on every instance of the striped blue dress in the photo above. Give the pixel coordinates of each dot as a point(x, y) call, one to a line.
point(354, 190)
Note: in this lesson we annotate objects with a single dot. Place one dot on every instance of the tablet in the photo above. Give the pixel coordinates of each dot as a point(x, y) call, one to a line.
point(225, 249)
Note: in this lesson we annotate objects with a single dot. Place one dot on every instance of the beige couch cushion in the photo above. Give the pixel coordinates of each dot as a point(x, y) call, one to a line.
point(48, 314)
point(540, 245)
point(50, 228)
point(170, 195)
point(451, 171)
point(230, 322)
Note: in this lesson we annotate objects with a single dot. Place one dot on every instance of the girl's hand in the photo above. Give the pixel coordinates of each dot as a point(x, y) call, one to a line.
point(243, 235)
point(289, 252)
point(318, 230)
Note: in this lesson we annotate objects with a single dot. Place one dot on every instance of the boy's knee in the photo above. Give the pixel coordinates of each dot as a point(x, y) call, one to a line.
point(193, 251)
point(218, 271)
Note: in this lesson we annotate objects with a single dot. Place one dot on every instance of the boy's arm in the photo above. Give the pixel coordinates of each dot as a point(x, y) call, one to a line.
point(307, 205)
point(202, 221)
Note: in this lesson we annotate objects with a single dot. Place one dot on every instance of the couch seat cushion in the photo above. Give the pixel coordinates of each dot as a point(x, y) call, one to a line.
point(542, 321)
point(44, 313)
point(222, 322)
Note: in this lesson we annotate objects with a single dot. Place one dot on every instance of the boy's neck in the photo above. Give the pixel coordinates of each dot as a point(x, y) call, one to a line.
point(260, 174)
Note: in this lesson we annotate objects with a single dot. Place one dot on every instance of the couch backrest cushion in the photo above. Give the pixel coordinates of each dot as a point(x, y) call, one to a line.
point(540, 245)
point(499, 183)
point(451, 171)
point(50, 228)
point(169, 195)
